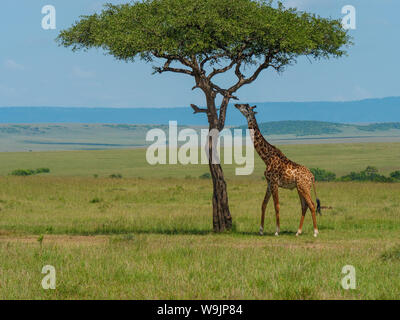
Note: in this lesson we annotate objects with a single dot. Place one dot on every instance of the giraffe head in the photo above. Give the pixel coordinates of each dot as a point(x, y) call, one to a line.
point(246, 110)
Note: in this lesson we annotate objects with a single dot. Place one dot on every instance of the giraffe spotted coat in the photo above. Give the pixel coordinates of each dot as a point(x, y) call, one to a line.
point(281, 172)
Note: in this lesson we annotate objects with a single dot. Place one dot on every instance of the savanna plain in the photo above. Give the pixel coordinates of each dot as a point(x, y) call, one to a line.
point(115, 227)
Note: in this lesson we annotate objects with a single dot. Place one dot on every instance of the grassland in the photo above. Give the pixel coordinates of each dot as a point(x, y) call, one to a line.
point(78, 136)
point(147, 236)
point(339, 158)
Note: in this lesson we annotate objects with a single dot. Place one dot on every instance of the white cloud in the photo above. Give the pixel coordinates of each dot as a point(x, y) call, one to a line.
point(12, 65)
point(80, 73)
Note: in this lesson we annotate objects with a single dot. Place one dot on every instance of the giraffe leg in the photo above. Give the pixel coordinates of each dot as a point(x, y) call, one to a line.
point(304, 208)
point(307, 197)
point(263, 207)
point(275, 196)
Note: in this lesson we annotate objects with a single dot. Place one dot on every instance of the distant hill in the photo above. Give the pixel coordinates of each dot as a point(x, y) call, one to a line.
point(77, 136)
point(73, 136)
point(364, 111)
point(318, 128)
point(300, 128)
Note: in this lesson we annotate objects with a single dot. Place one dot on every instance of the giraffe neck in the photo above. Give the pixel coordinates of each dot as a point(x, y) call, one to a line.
point(263, 148)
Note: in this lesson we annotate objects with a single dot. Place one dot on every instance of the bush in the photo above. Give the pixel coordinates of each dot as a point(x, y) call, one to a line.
point(395, 175)
point(371, 170)
point(95, 200)
point(206, 175)
point(29, 172)
point(42, 170)
point(322, 175)
point(369, 174)
point(22, 172)
point(116, 176)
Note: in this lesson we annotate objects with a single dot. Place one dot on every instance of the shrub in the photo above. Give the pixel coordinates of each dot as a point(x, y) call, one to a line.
point(29, 172)
point(22, 172)
point(95, 200)
point(395, 175)
point(116, 176)
point(369, 174)
point(42, 170)
point(206, 175)
point(371, 170)
point(322, 175)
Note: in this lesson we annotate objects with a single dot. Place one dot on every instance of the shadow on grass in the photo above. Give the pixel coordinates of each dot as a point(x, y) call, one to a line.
point(195, 232)
point(192, 231)
point(266, 234)
point(120, 231)
point(39, 230)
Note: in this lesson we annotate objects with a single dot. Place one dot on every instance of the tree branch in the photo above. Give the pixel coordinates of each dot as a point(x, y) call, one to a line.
point(211, 58)
point(223, 92)
point(235, 59)
point(196, 109)
point(238, 73)
point(181, 59)
point(241, 78)
point(222, 70)
point(167, 67)
point(222, 113)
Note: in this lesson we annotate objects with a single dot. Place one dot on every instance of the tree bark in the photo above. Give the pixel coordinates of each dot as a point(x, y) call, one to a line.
point(222, 219)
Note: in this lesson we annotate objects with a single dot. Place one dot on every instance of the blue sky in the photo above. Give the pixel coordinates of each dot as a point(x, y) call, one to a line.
point(34, 71)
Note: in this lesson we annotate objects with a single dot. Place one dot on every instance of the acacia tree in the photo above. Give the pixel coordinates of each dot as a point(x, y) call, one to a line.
point(204, 39)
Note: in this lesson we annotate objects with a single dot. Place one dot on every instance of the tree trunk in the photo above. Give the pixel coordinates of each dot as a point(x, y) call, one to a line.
point(222, 219)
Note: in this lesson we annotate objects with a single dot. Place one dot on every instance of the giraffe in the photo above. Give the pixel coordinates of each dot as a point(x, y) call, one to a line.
point(281, 172)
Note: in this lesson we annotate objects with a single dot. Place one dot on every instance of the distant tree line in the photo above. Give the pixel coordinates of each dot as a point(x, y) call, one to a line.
point(379, 126)
point(369, 174)
point(301, 128)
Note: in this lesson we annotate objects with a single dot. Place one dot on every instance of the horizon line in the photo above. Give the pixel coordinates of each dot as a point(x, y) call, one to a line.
point(178, 107)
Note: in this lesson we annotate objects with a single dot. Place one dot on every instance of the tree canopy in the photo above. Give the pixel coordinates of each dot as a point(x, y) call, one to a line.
point(209, 37)
point(213, 28)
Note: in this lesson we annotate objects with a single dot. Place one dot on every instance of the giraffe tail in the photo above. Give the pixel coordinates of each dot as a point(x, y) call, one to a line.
point(316, 198)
